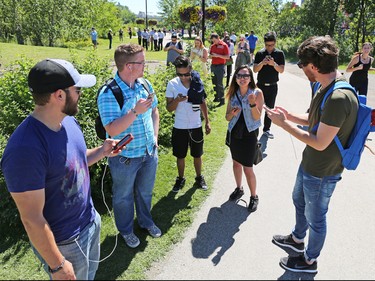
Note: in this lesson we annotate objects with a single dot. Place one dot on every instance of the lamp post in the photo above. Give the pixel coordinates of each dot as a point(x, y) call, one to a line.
point(146, 15)
point(203, 16)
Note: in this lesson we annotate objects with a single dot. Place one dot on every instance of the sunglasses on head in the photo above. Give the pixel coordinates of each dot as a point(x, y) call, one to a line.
point(245, 76)
point(183, 74)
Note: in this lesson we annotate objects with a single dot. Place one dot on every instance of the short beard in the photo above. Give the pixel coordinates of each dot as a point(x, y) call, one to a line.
point(70, 107)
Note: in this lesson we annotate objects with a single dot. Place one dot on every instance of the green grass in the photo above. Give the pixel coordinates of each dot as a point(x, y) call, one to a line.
point(172, 212)
point(9, 52)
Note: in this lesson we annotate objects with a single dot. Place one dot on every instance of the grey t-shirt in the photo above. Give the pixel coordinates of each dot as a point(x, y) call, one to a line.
point(173, 54)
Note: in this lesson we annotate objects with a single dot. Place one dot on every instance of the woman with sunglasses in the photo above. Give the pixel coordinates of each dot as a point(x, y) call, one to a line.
point(244, 109)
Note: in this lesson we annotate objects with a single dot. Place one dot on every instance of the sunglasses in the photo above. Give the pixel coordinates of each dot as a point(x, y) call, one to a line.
point(183, 74)
point(244, 76)
point(270, 45)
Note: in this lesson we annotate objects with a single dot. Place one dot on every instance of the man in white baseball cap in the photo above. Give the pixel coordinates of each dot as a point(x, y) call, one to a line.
point(45, 165)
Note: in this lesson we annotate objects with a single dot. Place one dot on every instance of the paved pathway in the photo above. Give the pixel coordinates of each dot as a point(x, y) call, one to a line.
point(225, 242)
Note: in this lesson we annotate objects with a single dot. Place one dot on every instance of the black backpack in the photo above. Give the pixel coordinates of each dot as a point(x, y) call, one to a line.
point(112, 85)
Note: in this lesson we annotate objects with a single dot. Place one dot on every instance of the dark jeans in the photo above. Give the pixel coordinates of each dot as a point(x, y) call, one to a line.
point(229, 73)
point(139, 40)
point(218, 71)
point(269, 93)
point(145, 43)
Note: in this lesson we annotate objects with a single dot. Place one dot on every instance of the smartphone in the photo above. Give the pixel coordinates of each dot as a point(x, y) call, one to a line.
point(124, 141)
point(150, 95)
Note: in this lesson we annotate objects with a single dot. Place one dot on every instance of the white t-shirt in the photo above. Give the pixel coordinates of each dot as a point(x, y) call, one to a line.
point(185, 116)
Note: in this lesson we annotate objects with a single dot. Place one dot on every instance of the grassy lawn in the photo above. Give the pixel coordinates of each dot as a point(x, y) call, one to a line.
point(172, 212)
point(9, 52)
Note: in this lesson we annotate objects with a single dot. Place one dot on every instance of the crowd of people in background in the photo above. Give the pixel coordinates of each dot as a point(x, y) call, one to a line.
point(56, 86)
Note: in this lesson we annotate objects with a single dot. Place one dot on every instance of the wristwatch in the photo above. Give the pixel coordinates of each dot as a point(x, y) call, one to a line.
point(56, 269)
point(135, 112)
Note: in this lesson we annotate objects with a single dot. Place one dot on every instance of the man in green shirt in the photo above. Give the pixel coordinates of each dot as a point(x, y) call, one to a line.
point(321, 166)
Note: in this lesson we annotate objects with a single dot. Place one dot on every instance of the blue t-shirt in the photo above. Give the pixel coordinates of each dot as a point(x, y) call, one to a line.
point(37, 157)
point(94, 35)
point(252, 40)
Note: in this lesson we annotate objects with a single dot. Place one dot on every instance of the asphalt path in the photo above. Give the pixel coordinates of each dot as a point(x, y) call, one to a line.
point(225, 242)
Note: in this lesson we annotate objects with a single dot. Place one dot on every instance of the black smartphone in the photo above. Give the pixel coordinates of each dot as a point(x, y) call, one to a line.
point(124, 141)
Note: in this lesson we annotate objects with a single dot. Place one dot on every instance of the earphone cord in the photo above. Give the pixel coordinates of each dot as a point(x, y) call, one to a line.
point(110, 214)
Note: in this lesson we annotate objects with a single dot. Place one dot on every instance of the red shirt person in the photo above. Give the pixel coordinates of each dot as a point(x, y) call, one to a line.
point(219, 53)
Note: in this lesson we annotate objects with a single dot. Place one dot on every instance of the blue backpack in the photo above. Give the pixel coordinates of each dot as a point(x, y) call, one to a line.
point(351, 154)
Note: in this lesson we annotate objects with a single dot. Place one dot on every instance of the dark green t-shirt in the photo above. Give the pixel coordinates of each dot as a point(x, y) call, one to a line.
point(340, 110)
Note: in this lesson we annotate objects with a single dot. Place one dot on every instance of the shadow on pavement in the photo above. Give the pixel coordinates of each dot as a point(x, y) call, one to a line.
point(289, 275)
point(222, 224)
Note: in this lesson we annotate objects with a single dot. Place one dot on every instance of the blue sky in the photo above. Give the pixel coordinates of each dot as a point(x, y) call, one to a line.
point(140, 5)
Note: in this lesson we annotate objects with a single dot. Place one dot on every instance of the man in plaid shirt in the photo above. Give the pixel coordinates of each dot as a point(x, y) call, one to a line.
point(133, 170)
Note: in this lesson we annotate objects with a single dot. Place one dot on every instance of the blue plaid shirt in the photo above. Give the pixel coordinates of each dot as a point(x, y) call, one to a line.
point(142, 127)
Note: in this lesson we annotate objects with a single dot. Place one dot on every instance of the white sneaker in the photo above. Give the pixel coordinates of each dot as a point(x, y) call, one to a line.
point(268, 134)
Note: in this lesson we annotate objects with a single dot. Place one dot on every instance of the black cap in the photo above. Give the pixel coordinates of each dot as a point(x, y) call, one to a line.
point(50, 75)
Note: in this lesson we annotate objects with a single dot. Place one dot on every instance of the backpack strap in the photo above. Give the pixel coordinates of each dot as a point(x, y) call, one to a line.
point(335, 86)
point(144, 84)
point(113, 86)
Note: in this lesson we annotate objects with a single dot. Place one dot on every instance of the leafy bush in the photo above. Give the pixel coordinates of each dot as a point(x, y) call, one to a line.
point(16, 103)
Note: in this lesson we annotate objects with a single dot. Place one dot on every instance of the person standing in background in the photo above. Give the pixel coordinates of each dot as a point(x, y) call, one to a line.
point(160, 40)
point(199, 53)
point(229, 62)
point(94, 37)
point(139, 35)
point(359, 66)
point(252, 39)
point(121, 35)
point(219, 53)
point(174, 49)
point(130, 32)
point(269, 62)
point(110, 37)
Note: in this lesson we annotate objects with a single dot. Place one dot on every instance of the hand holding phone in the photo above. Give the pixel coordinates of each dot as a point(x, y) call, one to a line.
point(124, 141)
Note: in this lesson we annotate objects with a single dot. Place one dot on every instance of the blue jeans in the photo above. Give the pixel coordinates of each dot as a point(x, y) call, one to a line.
point(311, 196)
point(133, 183)
point(82, 251)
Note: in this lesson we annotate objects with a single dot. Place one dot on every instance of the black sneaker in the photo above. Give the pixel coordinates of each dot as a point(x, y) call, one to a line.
point(253, 204)
point(288, 242)
point(179, 184)
point(298, 264)
point(236, 194)
point(200, 182)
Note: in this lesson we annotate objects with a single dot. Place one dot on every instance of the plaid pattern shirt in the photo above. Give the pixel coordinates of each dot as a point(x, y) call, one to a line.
point(142, 127)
